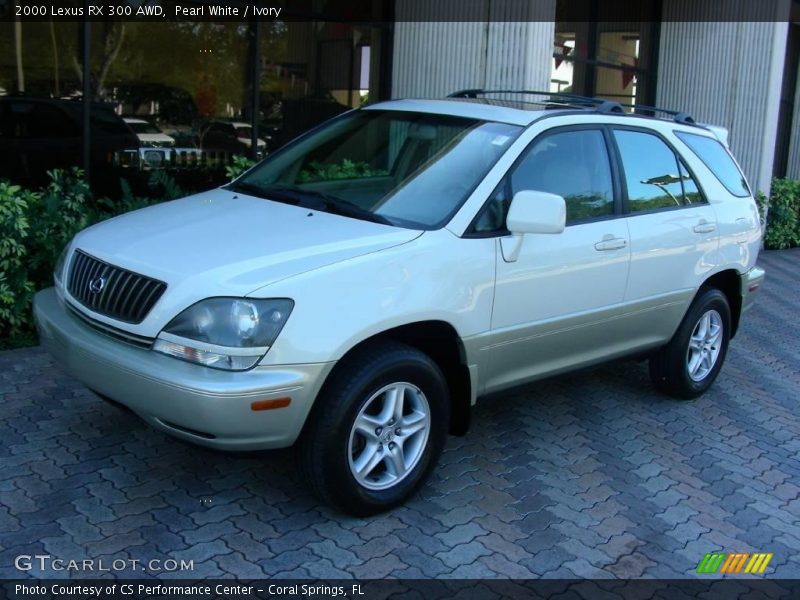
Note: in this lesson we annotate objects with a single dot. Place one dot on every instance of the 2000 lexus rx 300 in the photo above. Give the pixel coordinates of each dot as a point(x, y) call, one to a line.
point(359, 289)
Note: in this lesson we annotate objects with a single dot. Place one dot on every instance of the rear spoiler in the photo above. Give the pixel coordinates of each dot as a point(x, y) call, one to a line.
point(721, 133)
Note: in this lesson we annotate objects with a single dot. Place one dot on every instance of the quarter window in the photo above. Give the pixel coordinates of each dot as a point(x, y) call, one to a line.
point(654, 176)
point(572, 164)
point(718, 160)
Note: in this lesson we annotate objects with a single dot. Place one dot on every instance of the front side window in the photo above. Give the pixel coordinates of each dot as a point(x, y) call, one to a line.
point(718, 160)
point(399, 168)
point(654, 176)
point(572, 164)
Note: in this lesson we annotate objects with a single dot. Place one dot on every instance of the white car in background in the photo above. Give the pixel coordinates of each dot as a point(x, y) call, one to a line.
point(358, 290)
point(231, 136)
point(148, 133)
point(244, 135)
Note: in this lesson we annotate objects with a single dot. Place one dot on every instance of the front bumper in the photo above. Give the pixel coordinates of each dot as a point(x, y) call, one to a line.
point(750, 284)
point(206, 406)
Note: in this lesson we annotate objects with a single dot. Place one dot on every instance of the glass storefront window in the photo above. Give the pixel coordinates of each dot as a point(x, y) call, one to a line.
point(607, 58)
point(39, 59)
point(312, 71)
point(178, 95)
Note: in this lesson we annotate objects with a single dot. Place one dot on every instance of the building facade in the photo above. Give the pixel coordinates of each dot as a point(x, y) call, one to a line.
point(223, 88)
point(691, 56)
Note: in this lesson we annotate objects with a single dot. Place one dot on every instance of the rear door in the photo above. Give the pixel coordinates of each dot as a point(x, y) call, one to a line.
point(673, 229)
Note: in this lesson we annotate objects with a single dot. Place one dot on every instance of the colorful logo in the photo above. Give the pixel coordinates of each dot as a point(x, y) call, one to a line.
point(734, 562)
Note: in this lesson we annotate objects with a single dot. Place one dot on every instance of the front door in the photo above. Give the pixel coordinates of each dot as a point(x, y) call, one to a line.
point(558, 297)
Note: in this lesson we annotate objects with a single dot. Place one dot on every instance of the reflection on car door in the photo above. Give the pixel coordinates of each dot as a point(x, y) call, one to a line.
point(556, 305)
point(673, 232)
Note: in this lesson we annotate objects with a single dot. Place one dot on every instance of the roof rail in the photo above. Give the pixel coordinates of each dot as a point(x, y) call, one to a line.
point(601, 105)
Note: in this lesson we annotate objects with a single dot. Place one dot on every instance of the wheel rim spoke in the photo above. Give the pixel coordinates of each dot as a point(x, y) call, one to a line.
point(704, 325)
point(370, 458)
point(695, 362)
point(412, 424)
point(367, 426)
point(396, 461)
point(715, 336)
point(392, 404)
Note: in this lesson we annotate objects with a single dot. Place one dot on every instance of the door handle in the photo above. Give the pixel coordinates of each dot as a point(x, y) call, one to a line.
point(704, 227)
point(611, 244)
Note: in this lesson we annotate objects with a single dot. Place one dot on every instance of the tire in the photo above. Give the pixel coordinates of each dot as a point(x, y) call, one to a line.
point(684, 372)
point(371, 467)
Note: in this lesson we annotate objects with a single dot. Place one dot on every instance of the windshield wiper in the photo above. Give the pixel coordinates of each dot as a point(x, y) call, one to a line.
point(252, 189)
point(317, 200)
point(312, 199)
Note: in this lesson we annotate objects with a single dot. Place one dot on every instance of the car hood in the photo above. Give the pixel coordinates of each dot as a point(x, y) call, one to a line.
point(221, 243)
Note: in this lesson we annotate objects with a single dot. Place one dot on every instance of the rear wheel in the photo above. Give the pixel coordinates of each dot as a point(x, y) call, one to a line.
point(378, 428)
point(687, 366)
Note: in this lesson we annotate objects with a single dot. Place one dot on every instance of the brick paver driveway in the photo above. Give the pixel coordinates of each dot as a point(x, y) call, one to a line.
point(589, 475)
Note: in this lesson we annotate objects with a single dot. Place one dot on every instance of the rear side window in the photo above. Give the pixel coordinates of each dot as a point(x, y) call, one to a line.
point(654, 176)
point(718, 160)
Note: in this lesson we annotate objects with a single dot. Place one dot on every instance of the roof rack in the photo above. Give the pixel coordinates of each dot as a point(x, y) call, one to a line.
point(600, 105)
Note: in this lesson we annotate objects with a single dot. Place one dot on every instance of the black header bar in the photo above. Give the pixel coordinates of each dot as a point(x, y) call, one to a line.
point(387, 11)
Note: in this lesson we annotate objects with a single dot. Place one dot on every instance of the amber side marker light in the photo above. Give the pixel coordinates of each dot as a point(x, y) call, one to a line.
point(270, 404)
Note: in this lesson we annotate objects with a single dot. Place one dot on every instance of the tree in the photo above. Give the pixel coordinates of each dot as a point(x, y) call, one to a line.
point(112, 38)
point(18, 53)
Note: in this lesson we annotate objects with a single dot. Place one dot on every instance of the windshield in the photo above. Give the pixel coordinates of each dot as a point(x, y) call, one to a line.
point(401, 168)
point(143, 127)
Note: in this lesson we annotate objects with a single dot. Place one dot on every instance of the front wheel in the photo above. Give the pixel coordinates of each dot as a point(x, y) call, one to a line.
point(378, 428)
point(687, 366)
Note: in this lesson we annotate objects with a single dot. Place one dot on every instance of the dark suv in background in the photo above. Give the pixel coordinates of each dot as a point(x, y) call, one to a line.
point(39, 134)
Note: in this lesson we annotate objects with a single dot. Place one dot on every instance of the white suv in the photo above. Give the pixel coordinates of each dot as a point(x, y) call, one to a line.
point(358, 290)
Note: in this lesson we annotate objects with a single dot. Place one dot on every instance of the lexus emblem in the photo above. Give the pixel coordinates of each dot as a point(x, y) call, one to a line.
point(96, 284)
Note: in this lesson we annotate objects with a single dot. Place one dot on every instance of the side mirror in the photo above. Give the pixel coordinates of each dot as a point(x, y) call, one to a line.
point(536, 212)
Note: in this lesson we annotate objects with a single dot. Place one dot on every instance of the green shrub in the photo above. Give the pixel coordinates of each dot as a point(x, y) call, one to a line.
point(163, 187)
point(63, 209)
point(36, 226)
point(348, 169)
point(762, 202)
point(783, 215)
point(16, 288)
point(239, 165)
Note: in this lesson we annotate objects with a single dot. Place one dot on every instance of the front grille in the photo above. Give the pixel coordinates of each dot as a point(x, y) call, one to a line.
point(112, 291)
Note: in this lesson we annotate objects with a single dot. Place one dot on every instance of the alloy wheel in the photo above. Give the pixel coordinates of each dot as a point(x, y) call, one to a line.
point(388, 436)
point(705, 344)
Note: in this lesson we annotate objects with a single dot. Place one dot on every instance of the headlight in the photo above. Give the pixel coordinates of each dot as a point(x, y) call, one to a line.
point(225, 333)
point(61, 263)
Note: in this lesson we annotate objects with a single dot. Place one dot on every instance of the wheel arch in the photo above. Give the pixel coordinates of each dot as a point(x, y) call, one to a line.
point(728, 282)
point(442, 343)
